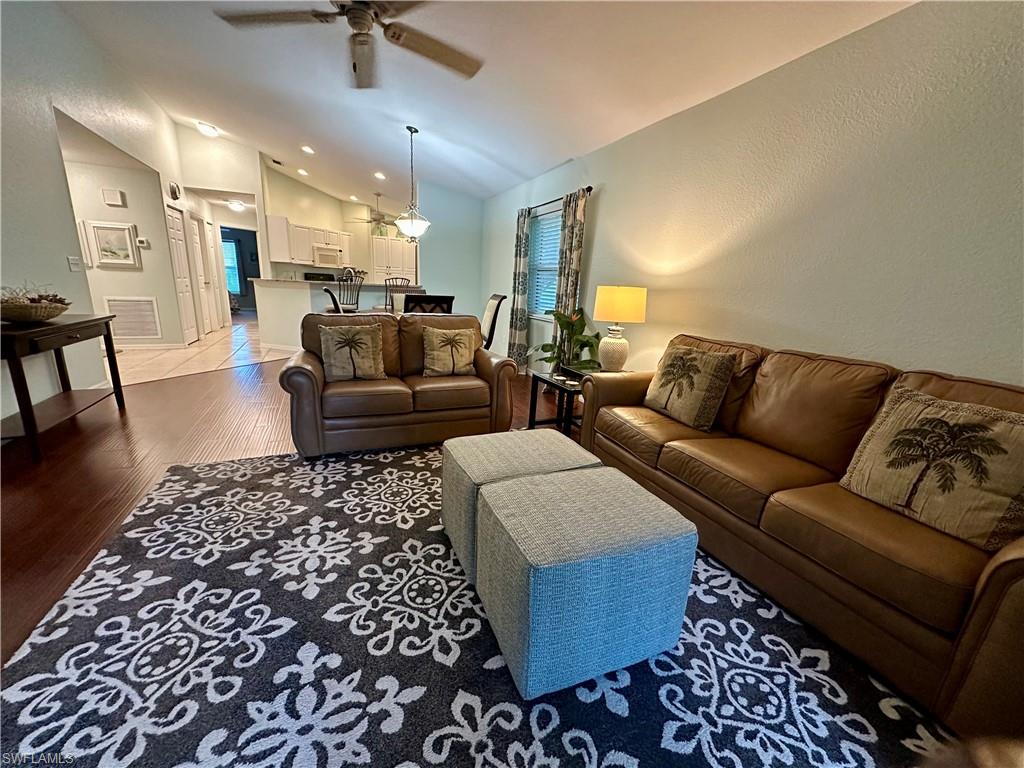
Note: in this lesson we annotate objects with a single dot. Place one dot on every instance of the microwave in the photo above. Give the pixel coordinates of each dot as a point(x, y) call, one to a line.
point(324, 256)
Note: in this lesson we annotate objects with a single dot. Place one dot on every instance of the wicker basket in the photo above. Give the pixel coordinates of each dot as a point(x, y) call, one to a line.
point(31, 313)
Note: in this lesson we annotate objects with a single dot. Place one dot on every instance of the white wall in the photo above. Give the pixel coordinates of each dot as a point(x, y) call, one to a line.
point(450, 251)
point(46, 62)
point(864, 200)
point(144, 207)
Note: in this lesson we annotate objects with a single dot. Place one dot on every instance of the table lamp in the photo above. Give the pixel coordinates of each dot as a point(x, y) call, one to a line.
point(617, 304)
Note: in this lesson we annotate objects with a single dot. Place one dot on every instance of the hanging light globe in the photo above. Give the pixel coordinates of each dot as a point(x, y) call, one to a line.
point(412, 223)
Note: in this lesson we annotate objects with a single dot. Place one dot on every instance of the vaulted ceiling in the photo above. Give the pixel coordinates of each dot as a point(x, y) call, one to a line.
point(560, 79)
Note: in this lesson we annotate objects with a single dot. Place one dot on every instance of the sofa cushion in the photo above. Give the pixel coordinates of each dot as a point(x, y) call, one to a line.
point(963, 390)
point(958, 467)
point(812, 406)
point(366, 398)
point(410, 336)
point(748, 357)
point(689, 385)
point(919, 570)
point(736, 473)
point(388, 323)
point(352, 352)
point(449, 352)
point(642, 431)
point(441, 393)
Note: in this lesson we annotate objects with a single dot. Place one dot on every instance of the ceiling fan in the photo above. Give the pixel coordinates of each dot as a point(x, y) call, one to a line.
point(361, 16)
point(377, 217)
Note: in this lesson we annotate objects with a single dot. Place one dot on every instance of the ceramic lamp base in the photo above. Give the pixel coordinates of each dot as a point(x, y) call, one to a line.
point(613, 351)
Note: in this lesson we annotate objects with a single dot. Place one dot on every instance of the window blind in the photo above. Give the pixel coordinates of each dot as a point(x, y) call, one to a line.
point(545, 237)
point(231, 266)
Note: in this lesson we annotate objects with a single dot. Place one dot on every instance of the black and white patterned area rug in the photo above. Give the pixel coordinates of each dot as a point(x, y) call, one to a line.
point(274, 612)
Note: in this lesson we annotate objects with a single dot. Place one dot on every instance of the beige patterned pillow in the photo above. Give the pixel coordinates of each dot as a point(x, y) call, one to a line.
point(448, 351)
point(690, 384)
point(352, 352)
point(957, 467)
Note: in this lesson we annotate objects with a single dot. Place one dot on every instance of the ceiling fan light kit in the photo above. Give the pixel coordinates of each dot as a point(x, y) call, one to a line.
point(412, 223)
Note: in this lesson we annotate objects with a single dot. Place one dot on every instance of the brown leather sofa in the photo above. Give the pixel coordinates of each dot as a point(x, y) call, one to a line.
point(941, 619)
point(406, 408)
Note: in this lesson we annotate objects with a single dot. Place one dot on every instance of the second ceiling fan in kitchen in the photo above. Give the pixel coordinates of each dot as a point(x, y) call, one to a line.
point(362, 16)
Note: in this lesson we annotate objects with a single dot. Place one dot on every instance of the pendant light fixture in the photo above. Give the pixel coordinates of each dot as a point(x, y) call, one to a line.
point(411, 223)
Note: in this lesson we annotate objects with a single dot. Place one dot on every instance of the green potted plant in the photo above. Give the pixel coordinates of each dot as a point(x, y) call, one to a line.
point(570, 344)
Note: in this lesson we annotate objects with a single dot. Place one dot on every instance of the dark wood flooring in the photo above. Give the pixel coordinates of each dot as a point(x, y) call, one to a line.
point(57, 514)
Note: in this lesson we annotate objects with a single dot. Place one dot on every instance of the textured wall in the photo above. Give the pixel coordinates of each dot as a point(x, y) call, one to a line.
point(48, 62)
point(864, 200)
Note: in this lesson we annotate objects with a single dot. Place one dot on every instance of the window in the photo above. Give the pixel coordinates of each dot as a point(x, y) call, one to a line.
point(545, 237)
point(232, 273)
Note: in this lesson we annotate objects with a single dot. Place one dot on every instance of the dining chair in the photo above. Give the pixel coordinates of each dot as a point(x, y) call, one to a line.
point(490, 319)
point(347, 299)
point(427, 302)
point(392, 286)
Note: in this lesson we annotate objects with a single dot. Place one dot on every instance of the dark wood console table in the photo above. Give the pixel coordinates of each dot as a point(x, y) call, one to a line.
point(18, 340)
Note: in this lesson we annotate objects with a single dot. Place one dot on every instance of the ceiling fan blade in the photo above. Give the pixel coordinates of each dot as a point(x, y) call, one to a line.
point(277, 17)
point(432, 48)
point(386, 9)
point(364, 61)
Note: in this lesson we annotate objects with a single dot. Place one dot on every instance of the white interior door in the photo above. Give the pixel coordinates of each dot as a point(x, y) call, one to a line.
point(199, 273)
point(220, 300)
point(182, 280)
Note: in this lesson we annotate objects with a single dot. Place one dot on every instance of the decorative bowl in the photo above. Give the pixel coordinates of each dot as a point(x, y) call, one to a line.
point(31, 313)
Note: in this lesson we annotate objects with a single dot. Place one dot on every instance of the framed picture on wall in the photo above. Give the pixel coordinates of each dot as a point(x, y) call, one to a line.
point(114, 245)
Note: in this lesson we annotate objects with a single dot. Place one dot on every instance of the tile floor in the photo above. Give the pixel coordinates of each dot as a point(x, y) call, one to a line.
point(237, 344)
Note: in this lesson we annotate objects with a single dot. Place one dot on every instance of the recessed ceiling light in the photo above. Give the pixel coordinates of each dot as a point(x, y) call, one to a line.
point(308, 149)
point(353, 198)
point(379, 175)
point(207, 129)
point(303, 172)
point(236, 205)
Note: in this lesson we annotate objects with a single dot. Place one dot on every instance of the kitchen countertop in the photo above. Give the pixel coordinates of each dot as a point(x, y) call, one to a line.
point(326, 283)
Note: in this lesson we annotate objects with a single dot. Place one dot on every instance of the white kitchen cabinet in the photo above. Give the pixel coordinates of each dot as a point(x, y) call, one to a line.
point(345, 244)
point(300, 240)
point(277, 239)
point(318, 236)
point(393, 257)
point(333, 239)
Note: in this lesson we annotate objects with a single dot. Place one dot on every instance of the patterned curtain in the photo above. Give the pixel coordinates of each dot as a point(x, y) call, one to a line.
point(518, 349)
point(570, 253)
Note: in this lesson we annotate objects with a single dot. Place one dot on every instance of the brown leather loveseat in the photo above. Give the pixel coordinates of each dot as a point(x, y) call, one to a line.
point(406, 408)
point(940, 618)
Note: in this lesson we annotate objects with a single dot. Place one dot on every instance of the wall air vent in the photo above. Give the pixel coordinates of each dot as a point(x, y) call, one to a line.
point(137, 317)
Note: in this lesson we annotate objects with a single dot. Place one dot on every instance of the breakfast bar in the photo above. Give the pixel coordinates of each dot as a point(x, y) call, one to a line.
point(281, 304)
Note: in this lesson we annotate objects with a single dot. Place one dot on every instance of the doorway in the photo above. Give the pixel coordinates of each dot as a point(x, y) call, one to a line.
point(241, 265)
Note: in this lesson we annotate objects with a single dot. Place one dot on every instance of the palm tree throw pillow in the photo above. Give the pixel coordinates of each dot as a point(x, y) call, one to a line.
point(448, 351)
point(690, 384)
point(352, 352)
point(957, 467)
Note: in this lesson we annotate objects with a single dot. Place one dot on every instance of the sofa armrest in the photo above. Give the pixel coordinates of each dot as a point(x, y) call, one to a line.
point(302, 377)
point(498, 371)
point(983, 693)
point(601, 389)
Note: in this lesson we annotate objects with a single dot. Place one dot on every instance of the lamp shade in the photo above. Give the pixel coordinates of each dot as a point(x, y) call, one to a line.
point(620, 304)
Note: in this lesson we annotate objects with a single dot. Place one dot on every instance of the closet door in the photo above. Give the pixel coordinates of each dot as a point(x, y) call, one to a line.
point(182, 281)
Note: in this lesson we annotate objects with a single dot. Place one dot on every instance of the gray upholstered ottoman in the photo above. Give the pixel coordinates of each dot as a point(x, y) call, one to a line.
point(580, 573)
point(471, 462)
